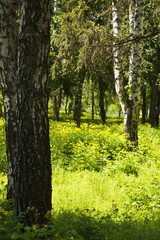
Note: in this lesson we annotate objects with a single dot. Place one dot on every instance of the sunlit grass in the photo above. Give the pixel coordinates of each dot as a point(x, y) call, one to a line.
point(86, 190)
point(97, 183)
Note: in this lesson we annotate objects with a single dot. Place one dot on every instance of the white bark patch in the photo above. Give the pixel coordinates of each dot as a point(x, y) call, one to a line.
point(117, 57)
point(137, 54)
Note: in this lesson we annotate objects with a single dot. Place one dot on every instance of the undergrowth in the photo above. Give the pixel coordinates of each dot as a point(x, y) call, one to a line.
point(101, 191)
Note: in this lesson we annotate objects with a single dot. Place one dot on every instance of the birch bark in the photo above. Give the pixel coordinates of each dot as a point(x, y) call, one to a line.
point(33, 167)
point(131, 31)
point(8, 71)
point(117, 57)
point(118, 74)
point(136, 70)
point(130, 103)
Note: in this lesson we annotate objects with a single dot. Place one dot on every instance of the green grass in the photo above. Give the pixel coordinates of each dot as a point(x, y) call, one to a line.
point(101, 191)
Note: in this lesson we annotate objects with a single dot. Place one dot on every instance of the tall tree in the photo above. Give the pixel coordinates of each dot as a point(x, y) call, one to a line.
point(117, 58)
point(130, 100)
point(26, 101)
point(33, 167)
point(8, 73)
point(136, 70)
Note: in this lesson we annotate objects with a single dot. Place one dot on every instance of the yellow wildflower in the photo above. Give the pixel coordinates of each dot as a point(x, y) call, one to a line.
point(5, 212)
point(72, 238)
point(30, 208)
point(34, 227)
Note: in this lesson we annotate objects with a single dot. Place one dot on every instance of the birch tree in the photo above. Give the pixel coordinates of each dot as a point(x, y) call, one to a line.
point(24, 78)
point(129, 100)
point(136, 69)
point(8, 71)
point(33, 167)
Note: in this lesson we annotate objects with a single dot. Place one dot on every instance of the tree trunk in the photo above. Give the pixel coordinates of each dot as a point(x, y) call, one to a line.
point(117, 53)
point(128, 121)
point(55, 6)
point(55, 107)
point(144, 104)
point(154, 92)
point(131, 31)
point(0, 110)
point(136, 70)
point(101, 101)
point(8, 70)
point(119, 112)
point(70, 106)
point(66, 105)
point(130, 103)
point(78, 97)
point(60, 92)
point(57, 101)
point(93, 102)
point(158, 109)
point(33, 166)
point(119, 81)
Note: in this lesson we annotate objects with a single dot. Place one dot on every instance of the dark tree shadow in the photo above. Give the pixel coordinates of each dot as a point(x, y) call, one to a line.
point(91, 226)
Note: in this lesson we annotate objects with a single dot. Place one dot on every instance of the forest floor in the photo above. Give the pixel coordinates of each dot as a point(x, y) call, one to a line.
point(101, 191)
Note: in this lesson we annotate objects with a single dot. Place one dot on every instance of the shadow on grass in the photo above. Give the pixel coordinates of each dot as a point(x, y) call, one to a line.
point(81, 225)
point(88, 226)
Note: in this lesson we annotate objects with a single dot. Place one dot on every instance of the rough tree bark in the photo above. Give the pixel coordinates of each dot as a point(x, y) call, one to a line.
point(33, 167)
point(8, 71)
